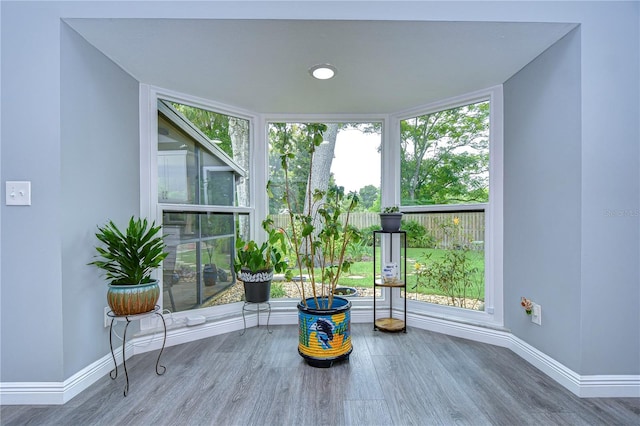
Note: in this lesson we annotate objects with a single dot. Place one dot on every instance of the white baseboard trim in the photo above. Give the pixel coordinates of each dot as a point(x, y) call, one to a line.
point(557, 371)
point(584, 386)
point(231, 324)
point(32, 393)
point(57, 393)
point(605, 386)
point(478, 333)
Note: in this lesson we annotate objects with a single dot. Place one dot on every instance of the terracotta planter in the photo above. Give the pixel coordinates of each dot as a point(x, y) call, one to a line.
point(324, 334)
point(133, 299)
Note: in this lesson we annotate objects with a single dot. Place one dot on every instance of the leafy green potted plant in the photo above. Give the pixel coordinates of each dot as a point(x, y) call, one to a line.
point(255, 263)
point(390, 219)
point(128, 259)
point(319, 237)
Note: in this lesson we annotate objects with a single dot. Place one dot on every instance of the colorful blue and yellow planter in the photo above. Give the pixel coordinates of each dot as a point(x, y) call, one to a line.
point(324, 335)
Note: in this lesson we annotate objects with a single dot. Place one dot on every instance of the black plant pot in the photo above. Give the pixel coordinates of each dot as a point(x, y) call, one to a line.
point(257, 286)
point(390, 222)
point(210, 275)
point(258, 292)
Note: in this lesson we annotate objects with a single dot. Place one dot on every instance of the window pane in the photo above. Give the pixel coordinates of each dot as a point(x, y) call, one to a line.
point(203, 157)
point(334, 164)
point(176, 164)
point(199, 268)
point(445, 262)
point(203, 160)
point(445, 157)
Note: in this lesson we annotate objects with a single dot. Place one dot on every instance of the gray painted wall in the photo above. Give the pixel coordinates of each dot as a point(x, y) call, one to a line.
point(73, 131)
point(542, 179)
point(32, 328)
point(99, 120)
point(41, 244)
point(610, 318)
point(571, 167)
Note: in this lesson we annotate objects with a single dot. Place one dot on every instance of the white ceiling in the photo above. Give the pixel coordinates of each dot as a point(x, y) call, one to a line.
point(261, 65)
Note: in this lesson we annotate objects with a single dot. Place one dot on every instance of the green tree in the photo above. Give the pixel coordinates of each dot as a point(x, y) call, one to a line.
point(283, 135)
point(445, 156)
point(215, 126)
point(299, 134)
point(368, 195)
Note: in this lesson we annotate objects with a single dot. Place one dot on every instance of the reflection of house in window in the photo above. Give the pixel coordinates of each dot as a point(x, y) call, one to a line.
point(172, 181)
point(191, 168)
point(219, 186)
point(196, 187)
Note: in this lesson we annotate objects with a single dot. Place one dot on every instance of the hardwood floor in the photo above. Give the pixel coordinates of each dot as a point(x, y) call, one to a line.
point(418, 378)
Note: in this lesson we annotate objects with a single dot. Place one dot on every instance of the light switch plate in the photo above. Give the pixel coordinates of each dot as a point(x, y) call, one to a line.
point(18, 193)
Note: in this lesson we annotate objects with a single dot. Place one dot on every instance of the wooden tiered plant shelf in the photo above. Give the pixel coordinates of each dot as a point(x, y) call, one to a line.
point(390, 248)
point(390, 324)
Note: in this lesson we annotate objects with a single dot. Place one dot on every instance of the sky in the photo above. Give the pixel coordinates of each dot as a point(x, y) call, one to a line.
point(357, 160)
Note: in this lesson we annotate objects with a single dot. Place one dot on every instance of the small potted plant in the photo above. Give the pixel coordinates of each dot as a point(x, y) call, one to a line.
point(255, 263)
point(128, 260)
point(390, 219)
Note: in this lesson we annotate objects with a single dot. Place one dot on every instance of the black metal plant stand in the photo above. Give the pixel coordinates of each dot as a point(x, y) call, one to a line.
point(160, 369)
point(390, 323)
point(257, 309)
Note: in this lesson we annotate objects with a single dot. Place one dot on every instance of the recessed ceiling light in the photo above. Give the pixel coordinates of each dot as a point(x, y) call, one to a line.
point(322, 71)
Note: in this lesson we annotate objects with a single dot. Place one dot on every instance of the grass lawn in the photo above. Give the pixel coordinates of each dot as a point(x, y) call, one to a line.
point(365, 269)
point(221, 260)
point(361, 273)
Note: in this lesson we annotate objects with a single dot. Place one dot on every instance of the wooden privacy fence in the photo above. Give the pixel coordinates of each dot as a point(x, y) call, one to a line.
point(448, 229)
point(360, 220)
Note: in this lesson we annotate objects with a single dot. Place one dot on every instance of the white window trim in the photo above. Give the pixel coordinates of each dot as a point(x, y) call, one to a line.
point(494, 309)
point(390, 174)
point(262, 209)
point(149, 205)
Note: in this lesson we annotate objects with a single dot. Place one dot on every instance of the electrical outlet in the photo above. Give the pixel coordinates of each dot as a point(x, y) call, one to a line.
point(536, 314)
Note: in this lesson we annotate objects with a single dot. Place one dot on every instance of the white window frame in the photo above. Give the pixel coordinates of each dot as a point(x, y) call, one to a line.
point(494, 311)
point(262, 210)
point(149, 205)
point(390, 189)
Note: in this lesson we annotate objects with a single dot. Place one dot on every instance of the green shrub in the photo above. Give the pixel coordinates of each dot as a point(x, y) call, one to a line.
point(417, 235)
point(277, 291)
point(454, 274)
point(358, 251)
point(367, 234)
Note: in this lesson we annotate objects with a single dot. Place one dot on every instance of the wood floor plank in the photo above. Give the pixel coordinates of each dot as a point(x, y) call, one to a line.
point(367, 413)
point(441, 391)
point(531, 388)
point(362, 384)
point(403, 392)
point(495, 402)
point(417, 378)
